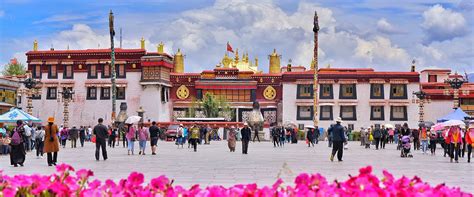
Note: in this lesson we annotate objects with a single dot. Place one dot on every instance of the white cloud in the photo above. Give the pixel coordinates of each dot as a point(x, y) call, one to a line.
point(386, 27)
point(443, 24)
point(61, 18)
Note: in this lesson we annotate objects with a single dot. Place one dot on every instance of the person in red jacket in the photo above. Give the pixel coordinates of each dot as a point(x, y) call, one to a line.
point(455, 140)
point(470, 140)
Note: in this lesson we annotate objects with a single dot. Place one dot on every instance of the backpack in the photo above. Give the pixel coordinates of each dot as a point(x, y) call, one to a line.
point(180, 132)
point(16, 139)
point(27, 130)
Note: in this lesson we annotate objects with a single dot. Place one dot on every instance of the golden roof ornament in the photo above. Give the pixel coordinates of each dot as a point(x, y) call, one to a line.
point(226, 60)
point(236, 60)
point(312, 64)
point(35, 45)
point(160, 48)
point(142, 43)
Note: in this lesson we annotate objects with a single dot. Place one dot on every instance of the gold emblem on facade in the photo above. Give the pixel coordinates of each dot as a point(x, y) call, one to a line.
point(269, 93)
point(182, 92)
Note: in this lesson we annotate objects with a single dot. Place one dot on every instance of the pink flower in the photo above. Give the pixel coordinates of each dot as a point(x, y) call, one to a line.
point(160, 183)
point(61, 168)
point(135, 178)
point(84, 174)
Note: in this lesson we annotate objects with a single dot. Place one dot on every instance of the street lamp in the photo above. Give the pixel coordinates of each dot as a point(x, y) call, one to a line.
point(30, 85)
point(67, 97)
point(456, 84)
point(422, 99)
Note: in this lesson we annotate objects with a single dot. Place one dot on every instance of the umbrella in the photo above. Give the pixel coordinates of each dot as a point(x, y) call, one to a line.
point(289, 124)
point(389, 126)
point(133, 119)
point(309, 126)
point(437, 127)
point(16, 114)
point(451, 123)
point(426, 124)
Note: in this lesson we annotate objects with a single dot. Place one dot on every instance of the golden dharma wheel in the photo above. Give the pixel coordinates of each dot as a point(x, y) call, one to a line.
point(269, 93)
point(182, 92)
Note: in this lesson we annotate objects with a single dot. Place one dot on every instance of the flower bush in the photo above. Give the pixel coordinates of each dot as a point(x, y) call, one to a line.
point(68, 182)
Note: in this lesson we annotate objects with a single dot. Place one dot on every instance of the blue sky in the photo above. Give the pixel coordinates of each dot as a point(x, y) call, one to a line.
point(385, 35)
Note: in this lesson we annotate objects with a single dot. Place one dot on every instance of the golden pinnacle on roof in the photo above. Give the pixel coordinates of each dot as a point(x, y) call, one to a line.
point(35, 45)
point(178, 62)
point(160, 48)
point(142, 43)
point(274, 62)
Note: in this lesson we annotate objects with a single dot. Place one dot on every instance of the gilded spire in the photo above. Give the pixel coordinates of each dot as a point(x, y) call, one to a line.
point(178, 62)
point(142, 43)
point(274, 62)
point(312, 64)
point(35, 45)
point(256, 62)
point(226, 60)
point(236, 60)
point(160, 47)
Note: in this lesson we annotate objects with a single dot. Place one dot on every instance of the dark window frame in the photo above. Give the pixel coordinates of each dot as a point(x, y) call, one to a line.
point(331, 94)
point(117, 71)
point(124, 93)
point(103, 71)
point(48, 93)
point(435, 78)
point(50, 73)
point(34, 72)
point(405, 94)
point(331, 116)
point(372, 86)
point(102, 96)
point(89, 97)
point(89, 72)
point(65, 72)
point(354, 91)
point(298, 115)
point(354, 112)
point(382, 112)
point(298, 92)
point(405, 114)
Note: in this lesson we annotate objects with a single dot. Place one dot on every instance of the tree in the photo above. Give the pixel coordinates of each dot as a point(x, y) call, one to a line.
point(225, 109)
point(195, 104)
point(210, 105)
point(14, 68)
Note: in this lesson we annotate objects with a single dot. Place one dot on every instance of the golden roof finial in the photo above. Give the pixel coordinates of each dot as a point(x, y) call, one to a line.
point(328, 66)
point(236, 60)
point(256, 61)
point(161, 47)
point(312, 64)
point(142, 43)
point(35, 45)
point(226, 60)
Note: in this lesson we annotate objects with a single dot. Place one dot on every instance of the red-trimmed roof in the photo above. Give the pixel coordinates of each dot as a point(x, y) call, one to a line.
point(436, 70)
point(185, 74)
point(347, 69)
point(117, 50)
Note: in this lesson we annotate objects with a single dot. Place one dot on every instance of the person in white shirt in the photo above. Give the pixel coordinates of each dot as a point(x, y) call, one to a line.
point(39, 141)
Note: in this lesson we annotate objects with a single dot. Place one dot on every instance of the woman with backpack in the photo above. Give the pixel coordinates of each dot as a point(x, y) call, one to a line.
point(39, 142)
point(143, 136)
point(64, 136)
point(17, 153)
point(131, 137)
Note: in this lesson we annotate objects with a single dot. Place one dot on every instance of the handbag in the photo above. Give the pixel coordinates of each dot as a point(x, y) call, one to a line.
point(93, 139)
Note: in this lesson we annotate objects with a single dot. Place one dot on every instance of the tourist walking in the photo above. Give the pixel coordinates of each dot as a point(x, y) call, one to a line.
point(338, 140)
point(245, 132)
point(51, 142)
point(384, 138)
point(27, 134)
point(455, 143)
point(231, 139)
point(143, 137)
point(64, 136)
point(82, 135)
point(73, 134)
point(131, 132)
point(362, 136)
point(316, 135)
point(282, 135)
point(433, 136)
point(391, 134)
point(423, 136)
point(330, 133)
point(101, 135)
point(288, 134)
point(470, 140)
point(39, 142)
point(180, 136)
point(113, 136)
point(416, 139)
point(123, 133)
point(377, 136)
point(275, 132)
point(368, 138)
point(17, 146)
point(195, 137)
point(154, 135)
point(309, 135)
point(208, 134)
point(256, 136)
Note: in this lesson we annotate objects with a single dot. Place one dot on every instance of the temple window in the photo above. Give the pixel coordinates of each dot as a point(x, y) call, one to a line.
point(105, 93)
point(52, 72)
point(231, 95)
point(304, 113)
point(376, 91)
point(432, 78)
point(120, 71)
point(377, 113)
point(398, 113)
point(348, 113)
point(37, 71)
point(398, 91)
point(121, 93)
point(52, 93)
point(91, 93)
point(326, 91)
point(304, 91)
point(106, 71)
point(68, 72)
point(326, 113)
point(92, 72)
point(347, 91)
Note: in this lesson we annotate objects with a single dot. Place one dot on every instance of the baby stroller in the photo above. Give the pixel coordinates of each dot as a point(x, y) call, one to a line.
point(406, 146)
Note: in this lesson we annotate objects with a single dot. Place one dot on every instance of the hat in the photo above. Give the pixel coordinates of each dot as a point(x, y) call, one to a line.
point(246, 124)
point(181, 125)
point(51, 119)
point(338, 119)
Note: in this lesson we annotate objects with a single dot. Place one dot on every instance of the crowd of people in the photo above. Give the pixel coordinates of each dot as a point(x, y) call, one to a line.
point(25, 137)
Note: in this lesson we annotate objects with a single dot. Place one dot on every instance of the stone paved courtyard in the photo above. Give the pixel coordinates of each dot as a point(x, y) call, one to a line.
point(214, 164)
